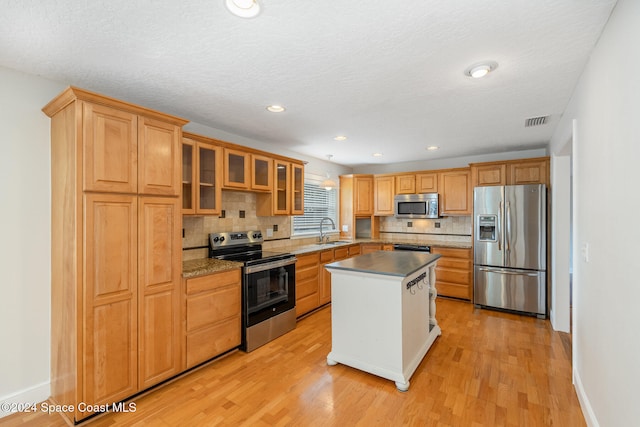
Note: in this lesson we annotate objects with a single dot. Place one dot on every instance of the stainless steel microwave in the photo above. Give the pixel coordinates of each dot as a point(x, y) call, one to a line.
point(416, 205)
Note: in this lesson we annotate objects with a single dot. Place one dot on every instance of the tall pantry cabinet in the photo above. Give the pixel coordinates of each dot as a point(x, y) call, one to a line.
point(116, 249)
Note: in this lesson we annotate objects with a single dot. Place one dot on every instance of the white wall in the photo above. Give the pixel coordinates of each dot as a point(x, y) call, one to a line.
point(606, 107)
point(25, 233)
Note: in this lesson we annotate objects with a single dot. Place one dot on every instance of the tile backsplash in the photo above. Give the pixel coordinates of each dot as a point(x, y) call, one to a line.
point(454, 225)
point(198, 228)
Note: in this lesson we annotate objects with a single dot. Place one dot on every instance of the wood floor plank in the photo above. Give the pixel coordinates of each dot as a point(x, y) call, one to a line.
point(487, 369)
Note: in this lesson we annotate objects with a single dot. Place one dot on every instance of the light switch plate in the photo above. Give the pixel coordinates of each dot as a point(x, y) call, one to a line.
point(269, 232)
point(345, 228)
point(584, 250)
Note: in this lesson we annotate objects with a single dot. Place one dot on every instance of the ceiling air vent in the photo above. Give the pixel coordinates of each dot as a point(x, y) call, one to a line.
point(535, 121)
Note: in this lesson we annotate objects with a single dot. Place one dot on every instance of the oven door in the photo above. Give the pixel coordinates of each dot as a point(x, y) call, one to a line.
point(269, 289)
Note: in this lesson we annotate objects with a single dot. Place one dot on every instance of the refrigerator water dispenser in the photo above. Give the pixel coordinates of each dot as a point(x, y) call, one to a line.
point(486, 228)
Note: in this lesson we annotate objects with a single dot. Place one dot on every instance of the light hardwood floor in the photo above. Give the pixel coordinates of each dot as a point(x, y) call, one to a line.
point(487, 369)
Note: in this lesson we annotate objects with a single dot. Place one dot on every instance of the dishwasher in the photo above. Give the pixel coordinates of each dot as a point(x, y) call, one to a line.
point(411, 247)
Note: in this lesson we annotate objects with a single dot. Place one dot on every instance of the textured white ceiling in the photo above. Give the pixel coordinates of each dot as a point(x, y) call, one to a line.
point(388, 74)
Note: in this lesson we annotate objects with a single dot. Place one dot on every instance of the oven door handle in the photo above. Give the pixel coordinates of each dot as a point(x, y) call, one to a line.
point(269, 265)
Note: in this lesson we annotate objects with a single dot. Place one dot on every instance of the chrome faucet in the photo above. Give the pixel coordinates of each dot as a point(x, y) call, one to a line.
point(321, 223)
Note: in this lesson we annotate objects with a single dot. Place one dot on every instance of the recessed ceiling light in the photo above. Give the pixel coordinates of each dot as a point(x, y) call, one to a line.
point(276, 108)
point(340, 138)
point(480, 70)
point(432, 148)
point(377, 154)
point(243, 8)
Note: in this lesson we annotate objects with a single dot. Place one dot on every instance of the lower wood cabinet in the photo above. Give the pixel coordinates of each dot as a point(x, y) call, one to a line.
point(324, 277)
point(307, 296)
point(454, 272)
point(212, 315)
point(313, 281)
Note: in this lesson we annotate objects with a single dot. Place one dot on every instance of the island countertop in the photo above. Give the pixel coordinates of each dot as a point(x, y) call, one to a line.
point(389, 263)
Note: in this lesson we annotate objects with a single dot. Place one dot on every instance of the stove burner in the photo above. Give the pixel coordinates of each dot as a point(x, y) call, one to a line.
point(245, 246)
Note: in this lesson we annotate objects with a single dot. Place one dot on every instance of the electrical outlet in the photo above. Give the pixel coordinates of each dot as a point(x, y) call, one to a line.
point(275, 227)
point(241, 214)
point(223, 214)
point(437, 225)
point(409, 224)
point(345, 228)
point(269, 232)
point(584, 250)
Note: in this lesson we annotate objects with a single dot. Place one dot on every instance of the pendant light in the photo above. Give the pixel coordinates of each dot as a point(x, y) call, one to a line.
point(329, 184)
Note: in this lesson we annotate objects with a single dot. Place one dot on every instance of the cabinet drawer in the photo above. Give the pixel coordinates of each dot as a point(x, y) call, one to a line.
point(306, 274)
point(354, 250)
point(454, 276)
point(306, 304)
point(306, 261)
point(212, 307)
point(326, 256)
point(454, 290)
point(212, 281)
point(341, 253)
point(452, 252)
point(370, 247)
point(306, 287)
point(210, 342)
point(455, 263)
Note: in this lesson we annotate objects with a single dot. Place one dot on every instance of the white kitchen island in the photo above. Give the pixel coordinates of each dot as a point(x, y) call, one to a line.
point(383, 313)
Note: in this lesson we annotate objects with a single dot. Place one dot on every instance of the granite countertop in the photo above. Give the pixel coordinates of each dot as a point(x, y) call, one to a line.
point(314, 247)
point(388, 263)
point(200, 267)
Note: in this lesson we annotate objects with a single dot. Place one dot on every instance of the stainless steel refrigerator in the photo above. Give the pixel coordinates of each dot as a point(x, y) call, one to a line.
point(510, 248)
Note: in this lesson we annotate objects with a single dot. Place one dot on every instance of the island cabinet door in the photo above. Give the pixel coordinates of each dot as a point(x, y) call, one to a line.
point(110, 340)
point(159, 272)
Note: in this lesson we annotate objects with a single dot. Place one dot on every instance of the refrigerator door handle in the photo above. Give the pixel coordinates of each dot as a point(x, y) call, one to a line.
point(500, 226)
point(507, 244)
point(510, 272)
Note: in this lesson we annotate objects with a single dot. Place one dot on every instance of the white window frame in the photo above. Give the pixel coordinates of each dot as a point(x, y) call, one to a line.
point(313, 219)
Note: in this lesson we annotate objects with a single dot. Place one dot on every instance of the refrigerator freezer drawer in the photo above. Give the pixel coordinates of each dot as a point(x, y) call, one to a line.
point(510, 289)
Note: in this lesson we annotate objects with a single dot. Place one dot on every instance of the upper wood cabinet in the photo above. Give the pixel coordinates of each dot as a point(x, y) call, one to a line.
point(455, 192)
point(356, 201)
point(535, 171)
point(287, 194)
point(201, 177)
point(511, 172)
point(363, 195)
point(281, 188)
point(129, 153)
point(492, 174)
point(427, 182)
point(383, 193)
point(158, 157)
point(237, 169)
point(261, 173)
point(406, 184)
point(297, 189)
point(110, 151)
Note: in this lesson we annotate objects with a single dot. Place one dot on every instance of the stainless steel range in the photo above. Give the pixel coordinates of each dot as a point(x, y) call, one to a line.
point(268, 285)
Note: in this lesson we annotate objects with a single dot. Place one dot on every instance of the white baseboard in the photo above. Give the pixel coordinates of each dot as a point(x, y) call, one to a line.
point(587, 410)
point(32, 395)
